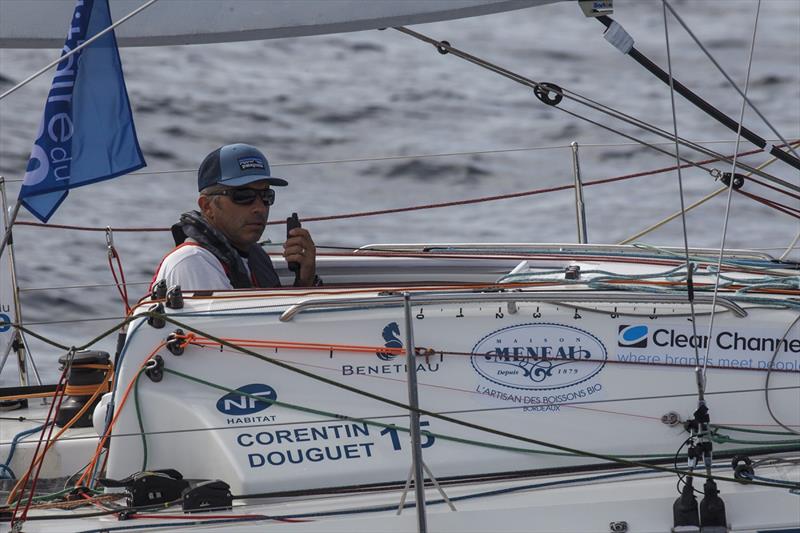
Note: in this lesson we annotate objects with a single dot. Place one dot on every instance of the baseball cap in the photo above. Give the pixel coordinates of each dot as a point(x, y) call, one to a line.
point(235, 165)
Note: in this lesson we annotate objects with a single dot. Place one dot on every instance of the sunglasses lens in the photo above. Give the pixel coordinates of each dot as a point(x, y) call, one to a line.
point(243, 196)
point(248, 196)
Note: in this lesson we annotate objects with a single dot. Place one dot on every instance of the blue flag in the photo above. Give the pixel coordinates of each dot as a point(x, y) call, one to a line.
point(87, 132)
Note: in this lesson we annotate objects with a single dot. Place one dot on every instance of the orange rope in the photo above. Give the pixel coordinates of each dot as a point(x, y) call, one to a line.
point(201, 341)
point(119, 407)
point(39, 458)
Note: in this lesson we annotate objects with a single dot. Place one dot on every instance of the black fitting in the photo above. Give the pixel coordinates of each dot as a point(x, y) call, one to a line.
point(549, 93)
point(701, 414)
point(157, 322)
point(155, 371)
point(207, 496)
point(159, 290)
point(572, 272)
point(441, 49)
point(684, 510)
point(712, 508)
point(742, 468)
point(738, 180)
point(174, 297)
point(175, 343)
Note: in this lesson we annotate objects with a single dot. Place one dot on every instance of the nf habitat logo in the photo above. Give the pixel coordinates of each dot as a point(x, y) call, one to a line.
point(632, 336)
point(242, 401)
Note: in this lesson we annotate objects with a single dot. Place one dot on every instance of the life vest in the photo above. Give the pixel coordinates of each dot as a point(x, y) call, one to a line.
point(262, 274)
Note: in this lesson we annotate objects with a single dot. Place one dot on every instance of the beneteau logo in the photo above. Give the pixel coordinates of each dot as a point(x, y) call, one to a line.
point(390, 335)
point(632, 336)
point(235, 403)
point(539, 356)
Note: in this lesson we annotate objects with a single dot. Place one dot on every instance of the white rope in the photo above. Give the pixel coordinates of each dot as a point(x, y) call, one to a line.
point(77, 49)
point(730, 186)
point(790, 248)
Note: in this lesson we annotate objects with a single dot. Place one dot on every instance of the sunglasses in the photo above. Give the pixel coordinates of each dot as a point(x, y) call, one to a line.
point(247, 196)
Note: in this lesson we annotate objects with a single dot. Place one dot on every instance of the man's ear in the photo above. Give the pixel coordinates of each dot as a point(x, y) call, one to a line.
point(204, 203)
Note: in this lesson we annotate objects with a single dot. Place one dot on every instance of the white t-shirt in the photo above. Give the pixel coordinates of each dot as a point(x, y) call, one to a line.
point(193, 268)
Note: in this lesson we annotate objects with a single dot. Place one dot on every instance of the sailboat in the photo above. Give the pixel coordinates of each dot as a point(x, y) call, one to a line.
point(436, 386)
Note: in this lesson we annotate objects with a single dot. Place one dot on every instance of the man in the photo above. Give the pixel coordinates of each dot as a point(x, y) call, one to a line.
point(217, 247)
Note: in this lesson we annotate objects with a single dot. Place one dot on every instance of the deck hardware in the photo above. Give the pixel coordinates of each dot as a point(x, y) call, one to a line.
point(174, 297)
point(443, 49)
point(159, 291)
point(738, 180)
point(154, 320)
point(207, 495)
point(549, 93)
point(155, 369)
point(527, 296)
point(512, 308)
point(150, 488)
point(671, 418)
point(175, 343)
point(618, 527)
point(742, 468)
point(572, 272)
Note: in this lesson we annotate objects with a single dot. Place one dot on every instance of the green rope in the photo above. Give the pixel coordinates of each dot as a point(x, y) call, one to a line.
point(747, 430)
point(722, 438)
point(139, 418)
point(405, 429)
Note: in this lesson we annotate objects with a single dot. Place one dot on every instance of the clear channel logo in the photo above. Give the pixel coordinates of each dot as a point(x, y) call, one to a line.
point(632, 336)
point(242, 402)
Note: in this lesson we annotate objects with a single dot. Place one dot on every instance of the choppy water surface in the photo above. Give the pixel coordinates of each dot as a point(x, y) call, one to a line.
point(381, 94)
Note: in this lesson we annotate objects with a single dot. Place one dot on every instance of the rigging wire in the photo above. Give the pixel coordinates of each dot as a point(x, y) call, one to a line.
point(580, 99)
point(730, 183)
point(733, 84)
point(689, 268)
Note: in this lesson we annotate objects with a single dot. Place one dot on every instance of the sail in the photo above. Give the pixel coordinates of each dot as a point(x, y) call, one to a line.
point(26, 24)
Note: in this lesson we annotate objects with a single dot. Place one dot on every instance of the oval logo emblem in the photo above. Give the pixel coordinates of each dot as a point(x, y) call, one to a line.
point(245, 404)
point(539, 356)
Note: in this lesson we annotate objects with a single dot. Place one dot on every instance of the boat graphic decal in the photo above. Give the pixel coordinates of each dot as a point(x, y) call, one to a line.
point(390, 335)
point(244, 404)
point(539, 356)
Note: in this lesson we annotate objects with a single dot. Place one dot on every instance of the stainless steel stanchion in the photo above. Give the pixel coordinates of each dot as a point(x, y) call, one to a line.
point(413, 402)
point(580, 208)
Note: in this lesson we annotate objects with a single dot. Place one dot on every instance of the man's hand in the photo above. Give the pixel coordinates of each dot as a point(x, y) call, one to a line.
point(299, 247)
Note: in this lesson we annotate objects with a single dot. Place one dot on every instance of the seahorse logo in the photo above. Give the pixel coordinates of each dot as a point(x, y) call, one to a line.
point(390, 335)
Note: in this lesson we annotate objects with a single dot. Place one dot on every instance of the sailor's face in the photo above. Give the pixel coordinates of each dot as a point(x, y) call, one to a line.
point(242, 224)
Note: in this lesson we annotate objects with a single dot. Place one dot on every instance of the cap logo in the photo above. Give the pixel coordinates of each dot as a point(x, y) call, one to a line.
point(251, 163)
